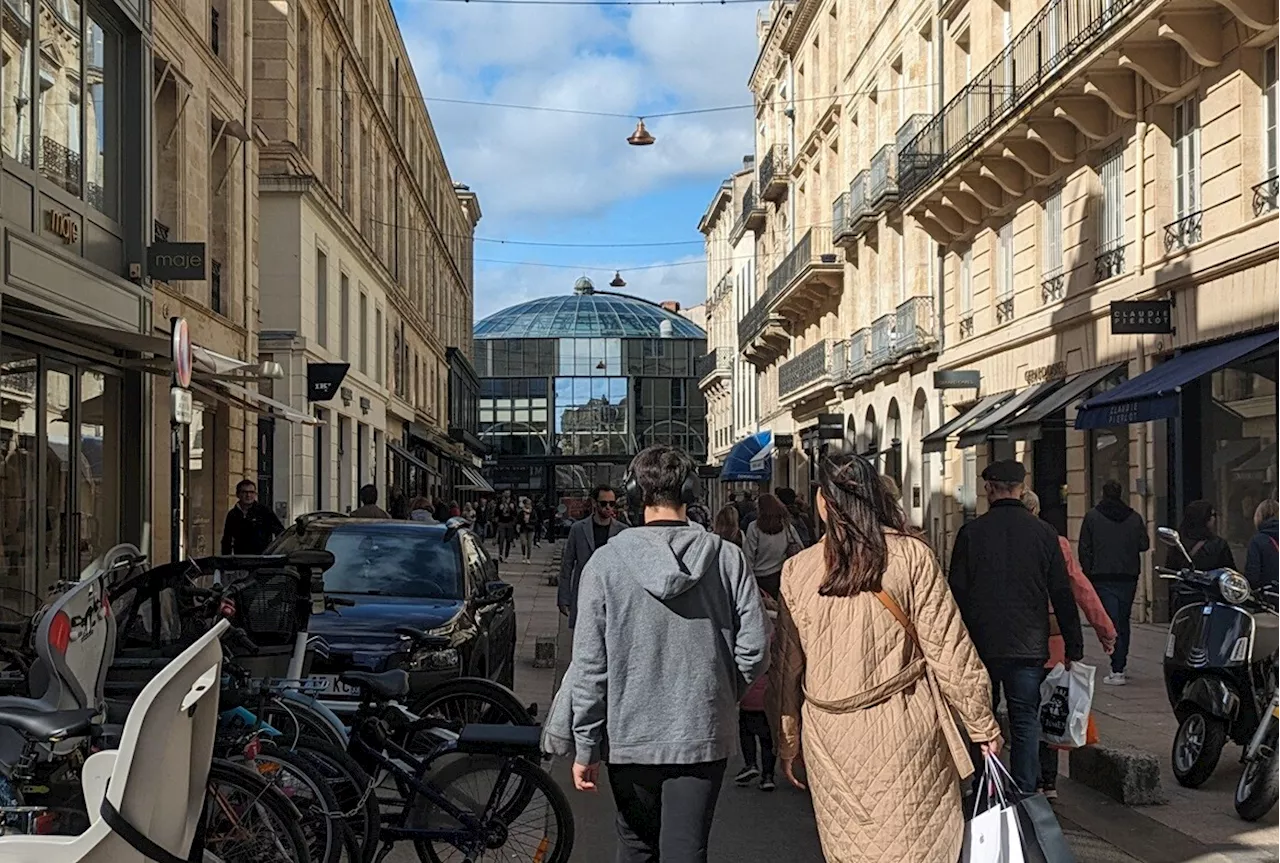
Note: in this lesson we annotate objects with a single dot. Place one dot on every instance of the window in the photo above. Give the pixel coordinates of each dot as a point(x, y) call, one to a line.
point(327, 123)
point(387, 560)
point(322, 298)
point(1110, 261)
point(1269, 110)
point(344, 316)
point(344, 142)
point(377, 345)
point(364, 333)
point(1051, 234)
point(1004, 251)
point(1186, 156)
point(305, 94)
point(966, 283)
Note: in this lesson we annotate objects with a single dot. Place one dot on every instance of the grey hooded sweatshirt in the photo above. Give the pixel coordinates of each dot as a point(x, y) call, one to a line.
point(670, 634)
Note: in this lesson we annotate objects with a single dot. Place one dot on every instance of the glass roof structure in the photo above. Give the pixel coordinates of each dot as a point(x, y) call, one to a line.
point(587, 314)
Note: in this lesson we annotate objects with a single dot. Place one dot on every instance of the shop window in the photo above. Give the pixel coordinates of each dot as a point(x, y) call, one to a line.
point(98, 471)
point(1108, 451)
point(199, 491)
point(969, 486)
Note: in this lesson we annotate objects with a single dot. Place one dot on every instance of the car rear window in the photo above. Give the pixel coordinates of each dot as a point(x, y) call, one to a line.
point(388, 562)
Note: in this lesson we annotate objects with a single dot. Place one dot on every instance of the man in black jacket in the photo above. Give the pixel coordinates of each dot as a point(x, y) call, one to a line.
point(1112, 540)
point(250, 525)
point(1006, 568)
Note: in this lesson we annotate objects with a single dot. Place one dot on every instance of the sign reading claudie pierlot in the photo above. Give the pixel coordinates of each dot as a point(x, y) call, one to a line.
point(1153, 317)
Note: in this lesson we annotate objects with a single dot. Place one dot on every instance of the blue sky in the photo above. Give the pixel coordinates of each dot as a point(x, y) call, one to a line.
point(563, 178)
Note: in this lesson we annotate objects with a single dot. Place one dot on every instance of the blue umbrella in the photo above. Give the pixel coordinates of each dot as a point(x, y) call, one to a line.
point(750, 460)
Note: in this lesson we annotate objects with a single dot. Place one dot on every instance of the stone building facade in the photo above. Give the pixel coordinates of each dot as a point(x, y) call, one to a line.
point(376, 254)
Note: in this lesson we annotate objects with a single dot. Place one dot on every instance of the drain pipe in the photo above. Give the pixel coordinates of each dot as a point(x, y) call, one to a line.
point(1144, 484)
point(1139, 174)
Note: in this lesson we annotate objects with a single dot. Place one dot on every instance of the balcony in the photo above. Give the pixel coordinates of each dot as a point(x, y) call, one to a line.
point(773, 173)
point(713, 367)
point(1109, 262)
point(1265, 196)
point(1004, 310)
point(884, 178)
point(851, 362)
point(841, 228)
point(1184, 233)
point(160, 231)
point(1053, 288)
point(860, 213)
point(882, 341)
point(807, 375)
point(909, 165)
point(917, 327)
point(751, 216)
point(215, 287)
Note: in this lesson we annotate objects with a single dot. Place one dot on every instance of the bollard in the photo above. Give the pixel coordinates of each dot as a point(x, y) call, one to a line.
point(544, 651)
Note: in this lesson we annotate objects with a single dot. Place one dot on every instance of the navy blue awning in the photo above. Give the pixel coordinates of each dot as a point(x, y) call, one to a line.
point(1155, 395)
point(750, 460)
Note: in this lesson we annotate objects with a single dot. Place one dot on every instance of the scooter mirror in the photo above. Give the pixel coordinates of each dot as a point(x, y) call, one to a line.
point(1170, 537)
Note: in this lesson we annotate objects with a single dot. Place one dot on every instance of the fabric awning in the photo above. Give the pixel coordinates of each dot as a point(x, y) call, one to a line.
point(271, 406)
point(1156, 394)
point(994, 423)
point(475, 482)
point(412, 459)
point(212, 362)
point(1026, 426)
point(936, 441)
point(750, 460)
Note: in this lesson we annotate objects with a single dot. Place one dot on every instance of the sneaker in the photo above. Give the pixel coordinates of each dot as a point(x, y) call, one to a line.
point(767, 784)
point(1115, 678)
point(746, 774)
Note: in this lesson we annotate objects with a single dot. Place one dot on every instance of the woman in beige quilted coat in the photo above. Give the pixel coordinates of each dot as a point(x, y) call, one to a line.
point(869, 701)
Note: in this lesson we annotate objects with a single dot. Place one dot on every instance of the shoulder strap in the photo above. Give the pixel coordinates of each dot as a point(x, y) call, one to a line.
point(896, 610)
point(1195, 549)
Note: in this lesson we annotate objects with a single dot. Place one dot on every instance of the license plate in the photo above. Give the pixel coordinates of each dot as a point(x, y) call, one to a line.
point(328, 684)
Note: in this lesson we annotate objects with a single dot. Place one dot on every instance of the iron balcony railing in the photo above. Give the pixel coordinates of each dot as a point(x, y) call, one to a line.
point(841, 226)
point(60, 164)
point(1061, 32)
point(884, 176)
point(774, 165)
point(215, 286)
point(750, 207)
point(809, 367)
point(916, 329)
point(720, 359)
point(1004, 310)
point(815, 247)
point(859, 199)
point(160, 231)
point(754, 321)
point(851, 358)
point(1053, 288)
point(1265, 196)
point(1109, 261)
point(882, 340)
point(1184, 233)
point(907, 166)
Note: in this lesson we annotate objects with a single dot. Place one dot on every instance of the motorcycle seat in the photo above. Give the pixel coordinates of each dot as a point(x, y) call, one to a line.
point(385, 685)
point(500, 739)
point(49, 726)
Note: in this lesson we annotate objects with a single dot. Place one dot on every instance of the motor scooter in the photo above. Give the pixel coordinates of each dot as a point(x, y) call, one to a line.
point(1259, 785)
point(1219, 665)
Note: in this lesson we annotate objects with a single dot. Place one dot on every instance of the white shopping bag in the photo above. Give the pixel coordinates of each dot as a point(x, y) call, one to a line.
point(992, 836)
point(1065, 698)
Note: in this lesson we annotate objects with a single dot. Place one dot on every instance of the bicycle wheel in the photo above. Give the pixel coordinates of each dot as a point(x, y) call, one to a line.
point(247, 820)
point(299, 780)
point(298, 722)
point(472, 700)
point(353, 790)
point(528, 819)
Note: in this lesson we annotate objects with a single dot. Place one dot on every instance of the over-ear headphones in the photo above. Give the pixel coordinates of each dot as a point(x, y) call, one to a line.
point(690, 488)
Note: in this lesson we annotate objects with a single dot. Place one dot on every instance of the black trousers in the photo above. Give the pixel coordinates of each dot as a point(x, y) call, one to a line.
point(753, 725)
point(665, 810)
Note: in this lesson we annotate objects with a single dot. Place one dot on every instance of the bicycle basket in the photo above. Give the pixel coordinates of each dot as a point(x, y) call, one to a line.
point(267, 606)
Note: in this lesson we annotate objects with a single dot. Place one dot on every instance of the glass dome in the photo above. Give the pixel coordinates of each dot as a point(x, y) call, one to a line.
point(587, 313)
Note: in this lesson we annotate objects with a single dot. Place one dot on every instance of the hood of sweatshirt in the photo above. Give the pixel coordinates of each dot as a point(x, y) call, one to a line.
point(1115, 510)
point(669, 559)
point(1270, 527)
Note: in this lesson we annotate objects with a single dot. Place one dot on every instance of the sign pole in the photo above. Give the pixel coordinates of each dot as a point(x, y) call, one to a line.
point(180, 414)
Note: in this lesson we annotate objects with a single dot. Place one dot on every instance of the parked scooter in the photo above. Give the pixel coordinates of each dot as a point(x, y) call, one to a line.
point(1219, 665)
point(1259, 787)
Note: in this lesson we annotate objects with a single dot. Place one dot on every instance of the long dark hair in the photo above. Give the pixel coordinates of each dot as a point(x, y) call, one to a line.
point(859, 511)
point(771, 516)
point(1195, 521)
point(727, 524)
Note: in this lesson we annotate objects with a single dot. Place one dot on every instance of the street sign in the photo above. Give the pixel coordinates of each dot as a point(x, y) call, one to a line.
point(1149, 317)
point(957, 380)
point(324, 379)
point(180, 342)
point(181, 407)
point(172, 262)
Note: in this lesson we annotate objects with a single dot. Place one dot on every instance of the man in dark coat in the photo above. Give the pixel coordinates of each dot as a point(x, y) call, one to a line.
point(1112, 540)
point(1006, 568)
point(250, 526)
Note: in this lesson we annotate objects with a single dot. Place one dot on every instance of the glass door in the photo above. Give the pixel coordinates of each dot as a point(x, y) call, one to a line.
point(57, 466)
point(97, 484)
point(19, 483)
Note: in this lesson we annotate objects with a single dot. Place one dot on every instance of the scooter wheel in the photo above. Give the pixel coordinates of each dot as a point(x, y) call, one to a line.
point(1197, 747)
point(1258, 788)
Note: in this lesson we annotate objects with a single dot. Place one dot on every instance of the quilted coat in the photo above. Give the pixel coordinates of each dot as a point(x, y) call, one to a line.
point(853, 689)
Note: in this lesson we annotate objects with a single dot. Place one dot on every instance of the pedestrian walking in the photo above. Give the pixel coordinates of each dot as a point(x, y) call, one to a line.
point(251, 525)
point(586, 537)
point(441, 510)
point(423, 510)
point(746, 510)
point(1112, 540)
point(1199, 534)
point(770, 540)
point(797, 514)
point(666, 735)
point(397, 503)
point(368, 497)
point(1094, 611)
point(754, 734)
point(871, 662)
point(726, 525)
point(526, 522)
point(1262, 561)
point(482, 518)
point(1006, 570)
point(505, 516)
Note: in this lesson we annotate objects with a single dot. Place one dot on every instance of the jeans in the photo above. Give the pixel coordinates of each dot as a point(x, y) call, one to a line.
point(526, 543)
point(1019, 680)
point(1117, 599)
point(665, 810)
point(1048, 767)
point(771, 584)
point(753, 726)
point(506, 534)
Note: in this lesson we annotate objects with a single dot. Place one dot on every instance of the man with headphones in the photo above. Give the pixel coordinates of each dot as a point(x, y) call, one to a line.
point(670, 634)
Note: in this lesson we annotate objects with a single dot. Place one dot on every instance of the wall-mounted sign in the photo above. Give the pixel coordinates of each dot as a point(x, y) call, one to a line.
point(170, 262)
point(62, 225)
point(1051, 372)
point(783, 441)
point(831, 426)
point(1144, 316)
point(180, 345)
point(323, 380)
point(957, 380)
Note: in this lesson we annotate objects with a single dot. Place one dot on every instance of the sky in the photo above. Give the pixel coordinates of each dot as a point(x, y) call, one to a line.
point(547, 177)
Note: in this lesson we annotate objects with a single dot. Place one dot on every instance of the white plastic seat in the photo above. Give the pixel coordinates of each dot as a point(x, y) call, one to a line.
point(157, 776)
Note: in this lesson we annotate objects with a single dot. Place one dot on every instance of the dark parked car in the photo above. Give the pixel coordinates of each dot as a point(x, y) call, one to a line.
point(437, 578)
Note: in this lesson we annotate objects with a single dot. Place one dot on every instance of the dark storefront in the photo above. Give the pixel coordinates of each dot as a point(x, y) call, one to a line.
point(572, 387)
